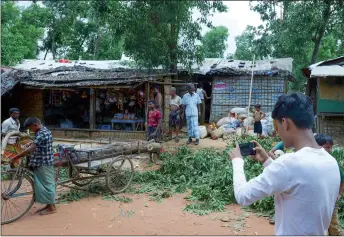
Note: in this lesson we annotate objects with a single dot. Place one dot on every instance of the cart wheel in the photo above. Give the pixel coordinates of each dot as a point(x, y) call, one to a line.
point(75, 173)
point(17, 196)
point(119, 174)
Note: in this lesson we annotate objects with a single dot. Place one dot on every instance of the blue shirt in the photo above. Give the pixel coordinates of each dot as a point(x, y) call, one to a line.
point(191, 103)
point(43, 154)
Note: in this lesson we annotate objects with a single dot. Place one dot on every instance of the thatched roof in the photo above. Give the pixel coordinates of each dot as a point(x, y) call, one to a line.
point(86, 73)
point(81, 73)
point(10, 77)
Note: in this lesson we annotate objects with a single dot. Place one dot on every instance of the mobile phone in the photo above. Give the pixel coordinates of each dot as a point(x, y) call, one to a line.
point(246, 149)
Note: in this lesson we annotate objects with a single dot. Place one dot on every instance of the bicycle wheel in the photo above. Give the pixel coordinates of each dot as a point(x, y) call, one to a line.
point(17, 193)
point(119, 174)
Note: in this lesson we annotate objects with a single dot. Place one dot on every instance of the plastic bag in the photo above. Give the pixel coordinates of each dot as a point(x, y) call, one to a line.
point(202, 132)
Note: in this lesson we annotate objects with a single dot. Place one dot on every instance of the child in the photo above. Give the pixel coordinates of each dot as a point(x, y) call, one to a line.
point(326, 142)
point(154, 120)
point(258, 115)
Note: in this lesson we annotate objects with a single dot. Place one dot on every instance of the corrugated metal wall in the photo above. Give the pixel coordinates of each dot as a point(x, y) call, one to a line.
point(231, 92)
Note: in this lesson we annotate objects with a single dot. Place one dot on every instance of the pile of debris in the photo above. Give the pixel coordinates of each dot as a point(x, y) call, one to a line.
point(239, 121)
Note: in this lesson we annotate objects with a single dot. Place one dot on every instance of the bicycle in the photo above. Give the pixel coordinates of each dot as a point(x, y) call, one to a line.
point(16, 203)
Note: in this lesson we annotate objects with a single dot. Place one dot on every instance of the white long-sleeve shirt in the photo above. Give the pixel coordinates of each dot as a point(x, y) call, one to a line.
point(305, 185)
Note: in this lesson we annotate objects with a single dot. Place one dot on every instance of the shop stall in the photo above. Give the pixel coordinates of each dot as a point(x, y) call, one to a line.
point(90, 99)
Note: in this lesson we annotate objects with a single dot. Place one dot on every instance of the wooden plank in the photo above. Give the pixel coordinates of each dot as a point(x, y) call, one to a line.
point(92, 109)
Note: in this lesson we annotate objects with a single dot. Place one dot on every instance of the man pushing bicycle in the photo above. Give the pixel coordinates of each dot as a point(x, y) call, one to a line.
point(41, 162)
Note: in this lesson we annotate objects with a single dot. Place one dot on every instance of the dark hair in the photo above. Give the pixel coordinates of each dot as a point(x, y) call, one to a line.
point(12, 110)
point(323, 139)
point(297, 107)
point(257, 106)
point(152, 101)
point(31, 120)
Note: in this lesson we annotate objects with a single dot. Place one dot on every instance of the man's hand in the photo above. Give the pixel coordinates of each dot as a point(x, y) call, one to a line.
point(235, 152)
point(261, 154)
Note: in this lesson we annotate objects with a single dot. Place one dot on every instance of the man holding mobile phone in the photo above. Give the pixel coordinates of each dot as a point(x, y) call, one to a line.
point(304, 202)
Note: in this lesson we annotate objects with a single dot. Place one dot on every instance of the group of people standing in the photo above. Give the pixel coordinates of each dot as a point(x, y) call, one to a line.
point(192, 105)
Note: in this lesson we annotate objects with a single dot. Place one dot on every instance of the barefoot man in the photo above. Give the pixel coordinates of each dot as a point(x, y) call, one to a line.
point(42, 164)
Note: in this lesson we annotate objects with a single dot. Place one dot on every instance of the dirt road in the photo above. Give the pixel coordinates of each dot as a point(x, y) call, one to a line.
point(94, 216)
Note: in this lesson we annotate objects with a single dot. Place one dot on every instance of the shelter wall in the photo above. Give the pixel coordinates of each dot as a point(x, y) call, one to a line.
point(233, 91)
point(330, 95)
point(332, 126)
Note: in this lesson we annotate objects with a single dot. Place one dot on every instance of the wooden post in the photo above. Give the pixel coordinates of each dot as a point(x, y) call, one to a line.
point(250, 95)
point(166, 107)
point(92, 109)
point(146, 105)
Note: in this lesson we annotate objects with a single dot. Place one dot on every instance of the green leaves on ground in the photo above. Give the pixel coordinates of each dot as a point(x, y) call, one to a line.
point(208, 175)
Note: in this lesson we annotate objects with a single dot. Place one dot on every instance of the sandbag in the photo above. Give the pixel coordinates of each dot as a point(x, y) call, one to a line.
point(216, 134)
point(239, 111)
point(229, 131)
point(223, 121)
point(248, 121)
point(202, 132)
point(209, 129)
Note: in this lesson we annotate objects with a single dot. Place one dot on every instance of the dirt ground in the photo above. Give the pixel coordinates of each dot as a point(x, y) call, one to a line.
point(94, 216)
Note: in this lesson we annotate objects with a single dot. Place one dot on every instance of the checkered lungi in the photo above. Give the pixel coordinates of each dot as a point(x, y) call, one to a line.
point(192, 123)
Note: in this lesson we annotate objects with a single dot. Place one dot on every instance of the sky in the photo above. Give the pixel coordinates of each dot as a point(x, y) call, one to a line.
point(235, 19)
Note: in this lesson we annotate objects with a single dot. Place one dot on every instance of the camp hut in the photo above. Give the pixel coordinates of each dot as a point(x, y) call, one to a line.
point(325, 85)
point(228, 83)
point(91, 99)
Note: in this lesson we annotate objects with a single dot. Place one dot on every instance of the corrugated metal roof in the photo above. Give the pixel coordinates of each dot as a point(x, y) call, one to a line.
point(329, 68)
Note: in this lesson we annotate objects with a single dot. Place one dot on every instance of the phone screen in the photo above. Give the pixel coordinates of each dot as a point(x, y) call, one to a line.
point(246, 149)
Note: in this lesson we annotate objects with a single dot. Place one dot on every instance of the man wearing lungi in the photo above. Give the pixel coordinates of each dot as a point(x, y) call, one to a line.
point(192, 102)
point(41, 163)
point(13, 146)
point(174, 118)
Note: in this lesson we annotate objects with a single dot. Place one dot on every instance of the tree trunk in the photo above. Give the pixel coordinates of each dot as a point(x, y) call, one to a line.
point(321, 32)
point(173, 48)
point(46, 52)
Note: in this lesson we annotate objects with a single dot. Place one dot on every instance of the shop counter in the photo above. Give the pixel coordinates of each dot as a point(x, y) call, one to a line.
point(134, 122)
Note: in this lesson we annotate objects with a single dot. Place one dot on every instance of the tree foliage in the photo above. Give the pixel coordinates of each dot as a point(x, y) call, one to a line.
point(153, 33)
point(214, 42)
point(20, 31)
point(164, 33)
point(307, 31)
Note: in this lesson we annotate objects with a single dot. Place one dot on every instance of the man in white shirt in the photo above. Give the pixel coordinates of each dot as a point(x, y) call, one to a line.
point(305, 184)
point(12, 123)
point(174, 118)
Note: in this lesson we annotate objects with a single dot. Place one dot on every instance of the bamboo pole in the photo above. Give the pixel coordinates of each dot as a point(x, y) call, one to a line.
point(250, 95)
